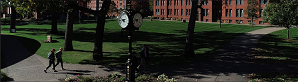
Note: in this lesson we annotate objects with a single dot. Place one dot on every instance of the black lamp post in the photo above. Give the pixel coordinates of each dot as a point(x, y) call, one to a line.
point(130, 20)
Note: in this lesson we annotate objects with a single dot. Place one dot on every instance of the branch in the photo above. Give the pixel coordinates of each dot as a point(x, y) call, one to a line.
point(74, 6)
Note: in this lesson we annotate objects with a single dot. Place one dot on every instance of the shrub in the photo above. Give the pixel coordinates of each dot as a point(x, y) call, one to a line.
point(160, 18)
point(87, 79)
point(226, 21)
point(4, 77)
point(237, 22)
point(249, 23)
point(173, 18)
point(168, 18)
point(218, 21)
point(178, 19)
point(152, 17)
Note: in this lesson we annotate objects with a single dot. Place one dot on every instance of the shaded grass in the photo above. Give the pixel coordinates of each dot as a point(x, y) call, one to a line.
point(166, 40)
point(284, 52)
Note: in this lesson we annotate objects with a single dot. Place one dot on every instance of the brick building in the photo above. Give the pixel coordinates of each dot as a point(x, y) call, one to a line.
point(231, 11)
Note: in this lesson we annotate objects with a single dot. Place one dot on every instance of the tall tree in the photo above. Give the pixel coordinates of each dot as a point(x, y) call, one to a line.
point(69, 31)
point(188, 51)
point(13, 19)
point(282, 12)
point(113, 9)
point(97, 52)
point(151, 5)
point(251, 10)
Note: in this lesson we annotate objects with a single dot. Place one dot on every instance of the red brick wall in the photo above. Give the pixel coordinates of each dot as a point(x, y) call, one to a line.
point(212, 6)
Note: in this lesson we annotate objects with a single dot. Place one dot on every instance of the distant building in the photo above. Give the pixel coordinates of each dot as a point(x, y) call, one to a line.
point(231, 11)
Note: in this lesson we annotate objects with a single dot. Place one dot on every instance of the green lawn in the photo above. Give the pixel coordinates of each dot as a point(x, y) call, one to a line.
point(286, 50)
point(284, 53)
point(166, 40)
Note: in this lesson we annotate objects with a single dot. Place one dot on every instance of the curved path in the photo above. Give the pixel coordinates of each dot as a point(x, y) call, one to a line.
point(231, 63)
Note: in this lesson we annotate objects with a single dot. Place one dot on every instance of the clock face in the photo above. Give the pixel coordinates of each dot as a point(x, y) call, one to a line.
point(137, 20)
point(123, 20)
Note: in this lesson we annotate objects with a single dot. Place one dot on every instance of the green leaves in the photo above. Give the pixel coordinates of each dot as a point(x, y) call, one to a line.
point(284, 12)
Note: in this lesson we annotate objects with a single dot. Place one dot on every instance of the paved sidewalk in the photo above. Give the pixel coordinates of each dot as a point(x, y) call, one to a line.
point(231, 63)
point(21, 65)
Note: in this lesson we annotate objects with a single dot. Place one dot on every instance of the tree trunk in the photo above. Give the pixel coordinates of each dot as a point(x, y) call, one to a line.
point(54, 29)
point(288, 34)
point(252, 21)
point(68, 32)
point(188, 51)
point(13, 20)
point(97, 52)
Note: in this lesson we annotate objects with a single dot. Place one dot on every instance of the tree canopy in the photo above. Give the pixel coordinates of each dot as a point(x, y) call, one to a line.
point(251, 10)
point(283, 13)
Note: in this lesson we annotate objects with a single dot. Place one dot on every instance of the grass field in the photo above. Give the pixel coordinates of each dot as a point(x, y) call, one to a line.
point(166, 40)
point(285, 52)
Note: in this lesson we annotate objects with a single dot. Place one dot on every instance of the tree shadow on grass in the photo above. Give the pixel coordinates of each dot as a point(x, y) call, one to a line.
point(18, 49)
point(273, 53)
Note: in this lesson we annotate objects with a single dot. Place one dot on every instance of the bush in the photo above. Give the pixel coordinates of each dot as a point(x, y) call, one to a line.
point(168, 18)
point(160, 18)
point(237, 22)
point(226, 21)
point(178, 19)
point(173, 18)
point(218, 21)
point(249, 23)
point(152, 17)
point(4, 77)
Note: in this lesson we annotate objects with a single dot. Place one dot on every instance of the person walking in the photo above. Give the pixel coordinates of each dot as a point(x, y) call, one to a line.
point(51, 57)
point(58, 55)
point(145, 52)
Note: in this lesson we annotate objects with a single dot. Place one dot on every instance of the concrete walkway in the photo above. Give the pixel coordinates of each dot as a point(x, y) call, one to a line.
point(231, 63)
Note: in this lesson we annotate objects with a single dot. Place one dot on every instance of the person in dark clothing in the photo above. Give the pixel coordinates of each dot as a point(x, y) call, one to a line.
point(58, 55)
point(51, 57)
point(145, 54)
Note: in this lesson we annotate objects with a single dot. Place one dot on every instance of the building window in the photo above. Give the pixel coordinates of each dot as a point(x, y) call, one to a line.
point(170, 2)
point(206, 20)
point(163, 12)
point(177, 2)
point(230, 12)
point(227, 2)
point(174, 11)
point(261, 12)
point(155, 2)
point(206, 2)
point(265, 1)
point(260, 22)
point(237, 12)
point(241, 21)
point(241, 2)
point(241, 12)
point(237, 21)
point(227, 12)
point(189, 12)
point(158, 11)
point(155, 11)
point(199, 2)
point(181, 12)
point(207, 12)
point(181, 2)
point(230, 21)
point(177, 11)
point(170, 11)
point(237, 2)
point(203, 12)
point(261, 1)
point(186, 2)
point(230, 2)
point(163, 2)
